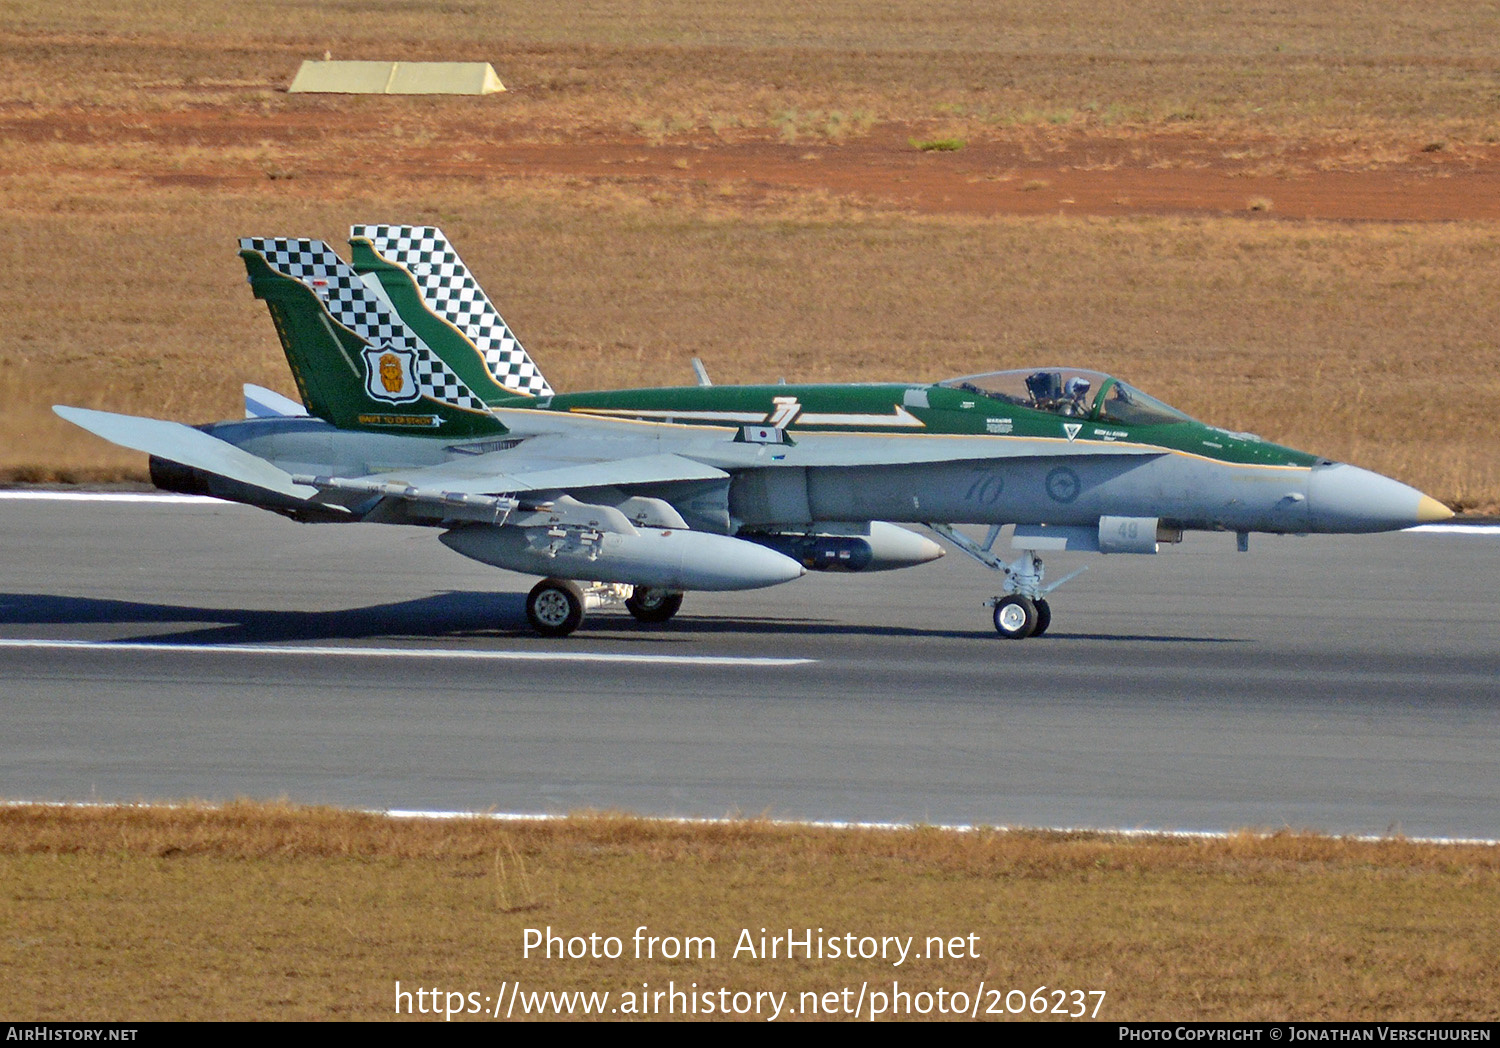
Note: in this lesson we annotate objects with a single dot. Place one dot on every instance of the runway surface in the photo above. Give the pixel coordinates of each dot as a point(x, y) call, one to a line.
point(1343, 684)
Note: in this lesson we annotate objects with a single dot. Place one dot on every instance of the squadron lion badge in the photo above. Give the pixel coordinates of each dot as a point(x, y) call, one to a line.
point(388, 374)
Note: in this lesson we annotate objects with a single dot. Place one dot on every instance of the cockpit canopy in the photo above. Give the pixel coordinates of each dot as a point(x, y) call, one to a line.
point(1073, 392)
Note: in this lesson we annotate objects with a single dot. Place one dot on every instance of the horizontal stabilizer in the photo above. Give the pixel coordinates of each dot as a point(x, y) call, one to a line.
point(261, 402)
point(185, 445)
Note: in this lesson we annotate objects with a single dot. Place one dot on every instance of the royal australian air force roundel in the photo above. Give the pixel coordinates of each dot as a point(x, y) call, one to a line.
point(388, 374)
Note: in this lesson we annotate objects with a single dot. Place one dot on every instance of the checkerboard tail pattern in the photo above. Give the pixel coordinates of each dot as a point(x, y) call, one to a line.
point(450, 290)
point(352, 304)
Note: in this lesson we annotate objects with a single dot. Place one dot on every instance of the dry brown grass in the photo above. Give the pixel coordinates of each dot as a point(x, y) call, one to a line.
point(254, 911)
point(1385, 68)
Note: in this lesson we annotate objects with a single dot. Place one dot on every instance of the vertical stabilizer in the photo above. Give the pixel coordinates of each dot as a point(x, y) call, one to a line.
point(436, 294)
point(356, 364)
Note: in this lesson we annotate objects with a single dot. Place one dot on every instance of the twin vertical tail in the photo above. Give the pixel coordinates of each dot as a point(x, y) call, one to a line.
point(356, 362)
point(433, 291)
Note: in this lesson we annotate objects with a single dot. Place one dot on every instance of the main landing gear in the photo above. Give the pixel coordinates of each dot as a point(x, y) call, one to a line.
point(653, 605)
point(1022, 610)
point(555, 607)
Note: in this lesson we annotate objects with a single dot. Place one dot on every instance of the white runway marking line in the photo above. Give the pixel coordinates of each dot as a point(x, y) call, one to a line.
point(407, 653)
point(816, 824)
point(110, 496)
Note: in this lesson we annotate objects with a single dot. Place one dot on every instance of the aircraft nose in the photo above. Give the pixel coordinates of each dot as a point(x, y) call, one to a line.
point(1343, 498)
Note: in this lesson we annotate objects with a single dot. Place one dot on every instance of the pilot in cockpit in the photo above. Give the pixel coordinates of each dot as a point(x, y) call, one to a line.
point(1075, 393)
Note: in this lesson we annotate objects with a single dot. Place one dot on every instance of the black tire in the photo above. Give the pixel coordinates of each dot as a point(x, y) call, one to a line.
point(653, 605)
point(554, 607)
point(1043, 617)
point(1015, 618)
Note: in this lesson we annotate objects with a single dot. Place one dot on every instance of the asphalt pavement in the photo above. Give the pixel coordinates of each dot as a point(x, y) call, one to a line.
point(190, 650)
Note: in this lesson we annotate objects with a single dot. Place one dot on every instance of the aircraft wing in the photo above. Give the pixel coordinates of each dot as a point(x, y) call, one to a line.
point(184, 444)
point(512, 471)
point(556, 462)
point(576, 435)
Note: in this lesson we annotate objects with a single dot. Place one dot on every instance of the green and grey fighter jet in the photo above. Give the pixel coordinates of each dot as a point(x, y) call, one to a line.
point(420, 407)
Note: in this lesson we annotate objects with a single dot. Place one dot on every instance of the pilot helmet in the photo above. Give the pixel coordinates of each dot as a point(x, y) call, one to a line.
point(1077, 386)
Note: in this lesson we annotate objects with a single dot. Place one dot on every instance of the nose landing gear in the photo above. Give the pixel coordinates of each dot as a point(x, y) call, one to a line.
point(1022, 610)
point(1018, 617)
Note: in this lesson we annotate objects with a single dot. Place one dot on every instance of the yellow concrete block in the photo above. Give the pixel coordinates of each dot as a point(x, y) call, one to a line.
point(397, 78)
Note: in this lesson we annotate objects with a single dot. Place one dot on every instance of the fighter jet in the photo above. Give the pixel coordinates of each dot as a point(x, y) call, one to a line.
point(421, 408)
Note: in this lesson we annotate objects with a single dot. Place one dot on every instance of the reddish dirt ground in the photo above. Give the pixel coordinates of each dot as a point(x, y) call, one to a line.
point(1029, 172)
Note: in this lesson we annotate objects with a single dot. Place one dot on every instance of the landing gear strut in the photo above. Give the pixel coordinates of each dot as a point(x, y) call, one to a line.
point(1022, 610)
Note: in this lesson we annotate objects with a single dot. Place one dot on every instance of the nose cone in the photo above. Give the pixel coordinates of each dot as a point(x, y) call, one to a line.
point(1344, 498)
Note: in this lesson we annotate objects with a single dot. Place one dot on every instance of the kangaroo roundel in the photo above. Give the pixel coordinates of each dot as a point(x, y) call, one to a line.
point(389, 376)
